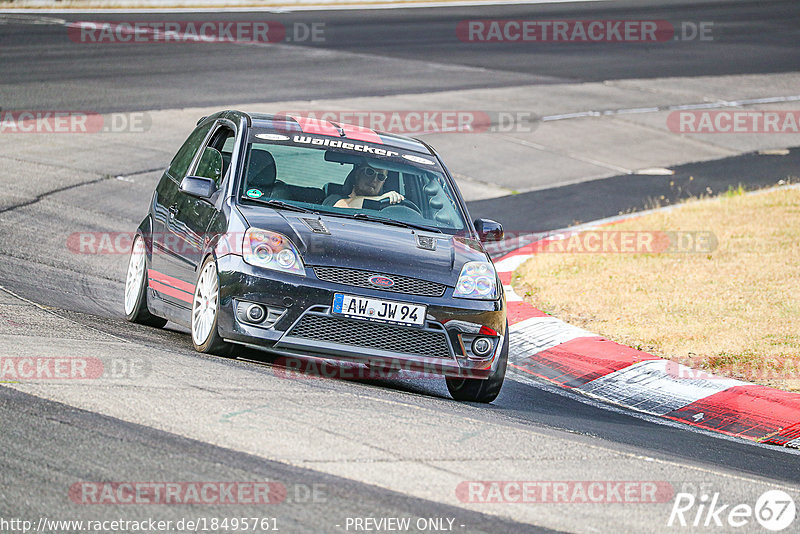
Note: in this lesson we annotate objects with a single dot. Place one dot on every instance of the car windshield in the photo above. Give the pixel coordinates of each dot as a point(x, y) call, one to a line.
point(349, 178)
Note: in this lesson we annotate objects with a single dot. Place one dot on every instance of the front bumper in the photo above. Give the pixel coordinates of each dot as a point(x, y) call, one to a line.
point(307, 327)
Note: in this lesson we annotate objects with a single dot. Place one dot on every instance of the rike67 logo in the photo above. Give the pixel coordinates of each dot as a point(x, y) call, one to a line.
point(774, 510)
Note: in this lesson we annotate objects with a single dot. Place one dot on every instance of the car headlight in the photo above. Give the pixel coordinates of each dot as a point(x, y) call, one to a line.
point(271, 250)
point(477, 280)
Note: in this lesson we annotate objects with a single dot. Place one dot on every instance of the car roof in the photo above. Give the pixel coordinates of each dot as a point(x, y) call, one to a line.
point(310, 125)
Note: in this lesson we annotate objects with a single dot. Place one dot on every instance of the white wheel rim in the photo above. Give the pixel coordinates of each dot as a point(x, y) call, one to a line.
point(133, 282)
point(204, 308)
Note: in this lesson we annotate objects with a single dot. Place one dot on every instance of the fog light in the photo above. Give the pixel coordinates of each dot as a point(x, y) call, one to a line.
point(255, 313)
point(481, 346)
point(258, 314)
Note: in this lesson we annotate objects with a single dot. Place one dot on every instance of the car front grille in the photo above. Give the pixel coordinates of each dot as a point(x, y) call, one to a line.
point(407, 340)
point(358, 278)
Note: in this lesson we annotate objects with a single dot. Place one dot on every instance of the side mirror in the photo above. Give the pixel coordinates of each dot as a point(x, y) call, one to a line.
point(210, 164)
point(488, 230)
point(198, 186)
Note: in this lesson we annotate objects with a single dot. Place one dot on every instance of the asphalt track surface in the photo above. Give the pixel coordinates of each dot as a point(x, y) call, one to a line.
point(379, 52)
point(171, 457)
point(560, 207)
point(47, 445)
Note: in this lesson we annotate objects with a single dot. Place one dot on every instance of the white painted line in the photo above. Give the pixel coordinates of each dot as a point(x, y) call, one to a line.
point(31, 20)
point(634, 110)
point(511, 295)
point(656, 387)
point(170, 6)
point(536, 334)
point(655, 171)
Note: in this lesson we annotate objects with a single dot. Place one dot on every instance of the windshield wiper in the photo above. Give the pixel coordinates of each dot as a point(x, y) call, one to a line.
point(394, 222)
point(275, 203)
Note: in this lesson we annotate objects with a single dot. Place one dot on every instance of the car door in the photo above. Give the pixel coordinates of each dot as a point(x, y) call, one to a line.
point(162, 275)
point(194, 215)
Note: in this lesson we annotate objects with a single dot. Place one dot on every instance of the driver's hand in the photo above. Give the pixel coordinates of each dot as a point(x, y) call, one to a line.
point(393, 196)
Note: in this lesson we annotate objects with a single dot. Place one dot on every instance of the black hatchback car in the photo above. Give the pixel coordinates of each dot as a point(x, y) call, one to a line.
point(315, 239)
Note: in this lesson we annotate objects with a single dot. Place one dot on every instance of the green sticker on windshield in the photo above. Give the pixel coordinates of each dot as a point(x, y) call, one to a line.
point(254, 193)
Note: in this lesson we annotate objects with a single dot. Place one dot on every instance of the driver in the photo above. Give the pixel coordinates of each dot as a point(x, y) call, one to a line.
point(368, 184)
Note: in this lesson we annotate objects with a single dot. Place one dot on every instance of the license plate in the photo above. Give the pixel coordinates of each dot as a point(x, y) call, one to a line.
point(382, 311)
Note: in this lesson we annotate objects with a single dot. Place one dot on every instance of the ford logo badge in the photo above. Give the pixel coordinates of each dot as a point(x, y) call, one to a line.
point(381, 281)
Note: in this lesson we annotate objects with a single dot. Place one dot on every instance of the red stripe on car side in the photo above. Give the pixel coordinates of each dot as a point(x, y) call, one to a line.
point(171, 291)
point(170, 281)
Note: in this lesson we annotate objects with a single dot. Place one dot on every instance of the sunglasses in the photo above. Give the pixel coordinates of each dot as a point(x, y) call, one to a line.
point(369, 172)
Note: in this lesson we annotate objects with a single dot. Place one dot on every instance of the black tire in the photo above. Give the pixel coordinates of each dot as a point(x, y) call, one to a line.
point(476, 389)
point(213, 344)
point(139, 313)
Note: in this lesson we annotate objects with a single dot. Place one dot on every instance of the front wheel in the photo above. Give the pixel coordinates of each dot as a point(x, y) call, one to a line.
point(136, 288)
point(476, 389)
point(205, 311)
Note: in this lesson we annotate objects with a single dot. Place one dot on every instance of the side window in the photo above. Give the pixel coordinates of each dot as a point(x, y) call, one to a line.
point(227, 147)
point(182, 160)
point(222, 142)
point(210, 165)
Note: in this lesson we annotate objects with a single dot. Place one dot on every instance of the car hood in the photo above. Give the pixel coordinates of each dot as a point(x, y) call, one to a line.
point(369, 246)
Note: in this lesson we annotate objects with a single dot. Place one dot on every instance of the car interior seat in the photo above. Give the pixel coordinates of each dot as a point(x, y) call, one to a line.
point(335, 192)
point(261, 173)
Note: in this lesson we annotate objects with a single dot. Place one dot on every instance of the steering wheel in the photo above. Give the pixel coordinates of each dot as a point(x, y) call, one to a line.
point(407, 203)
